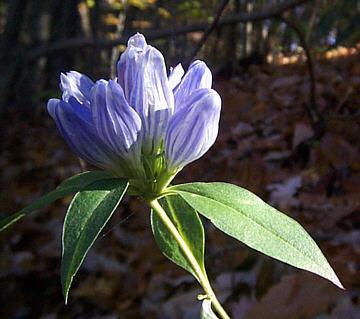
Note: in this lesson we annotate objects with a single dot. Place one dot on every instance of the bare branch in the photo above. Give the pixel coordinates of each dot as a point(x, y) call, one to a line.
point(267, 12)
point(311, 106)
point(206, 34)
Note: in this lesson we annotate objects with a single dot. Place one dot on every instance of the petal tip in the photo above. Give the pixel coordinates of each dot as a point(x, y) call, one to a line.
point(63, 79)
point(198, 63)
point(52, 105)
point(215, 97)
point(137, 40)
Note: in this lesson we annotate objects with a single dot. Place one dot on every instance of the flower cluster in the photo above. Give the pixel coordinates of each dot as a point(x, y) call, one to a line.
point(143, 125)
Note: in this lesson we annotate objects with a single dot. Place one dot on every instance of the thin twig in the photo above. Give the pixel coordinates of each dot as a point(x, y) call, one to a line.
point(311, 105)
point(206, 34)
point(122, 221)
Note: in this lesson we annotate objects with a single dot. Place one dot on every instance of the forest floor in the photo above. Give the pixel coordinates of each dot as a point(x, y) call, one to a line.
point(260, 147)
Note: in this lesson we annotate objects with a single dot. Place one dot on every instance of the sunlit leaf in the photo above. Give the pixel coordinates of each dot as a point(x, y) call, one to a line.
point(188, 224)
point(244, 216)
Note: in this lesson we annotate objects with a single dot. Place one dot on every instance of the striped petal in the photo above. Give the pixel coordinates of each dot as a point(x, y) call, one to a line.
point(74, 124)
point(130, 62)
point(197, 76)
point(153, 131)
point(117, 123)
point(193, 129)
point(175, 76)
point(77, 85)
point(142, 75)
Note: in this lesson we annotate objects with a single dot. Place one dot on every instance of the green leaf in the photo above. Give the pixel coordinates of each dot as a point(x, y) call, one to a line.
point(244, 216)
point(70, 185)
point(188, 224)
point(87, 215)
point(206, 311)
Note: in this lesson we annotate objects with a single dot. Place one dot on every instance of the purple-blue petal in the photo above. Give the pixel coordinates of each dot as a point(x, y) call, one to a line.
point(130, 62)
point(154, 128)
point(73, 123)
point(193, 129)
point(198, 76)
point(76, 85)
point(175, 76)
point(116, 122)
point(142, 75)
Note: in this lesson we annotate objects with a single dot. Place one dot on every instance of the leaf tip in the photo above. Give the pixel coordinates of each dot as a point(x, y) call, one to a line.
point(336, 281)
point(66, 290)
point(65, 283)
point(334, 278)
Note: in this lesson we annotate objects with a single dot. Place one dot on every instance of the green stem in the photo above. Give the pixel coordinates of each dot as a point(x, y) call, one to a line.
point(201, 276)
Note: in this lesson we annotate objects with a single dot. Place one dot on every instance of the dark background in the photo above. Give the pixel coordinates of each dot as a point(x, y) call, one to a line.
point(288, 73)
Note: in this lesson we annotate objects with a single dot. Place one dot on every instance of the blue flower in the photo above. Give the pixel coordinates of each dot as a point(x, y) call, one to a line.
point(143, 125)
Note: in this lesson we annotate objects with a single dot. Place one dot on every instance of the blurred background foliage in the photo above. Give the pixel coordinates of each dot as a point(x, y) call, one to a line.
point(40, 39)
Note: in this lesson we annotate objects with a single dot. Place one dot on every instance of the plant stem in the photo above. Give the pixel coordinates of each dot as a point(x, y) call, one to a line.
point(200, 274)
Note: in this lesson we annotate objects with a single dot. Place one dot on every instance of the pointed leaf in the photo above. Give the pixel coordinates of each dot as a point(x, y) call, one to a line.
point(87, 215)
point(70, 185)
point(189, 225)
point(244, 216)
